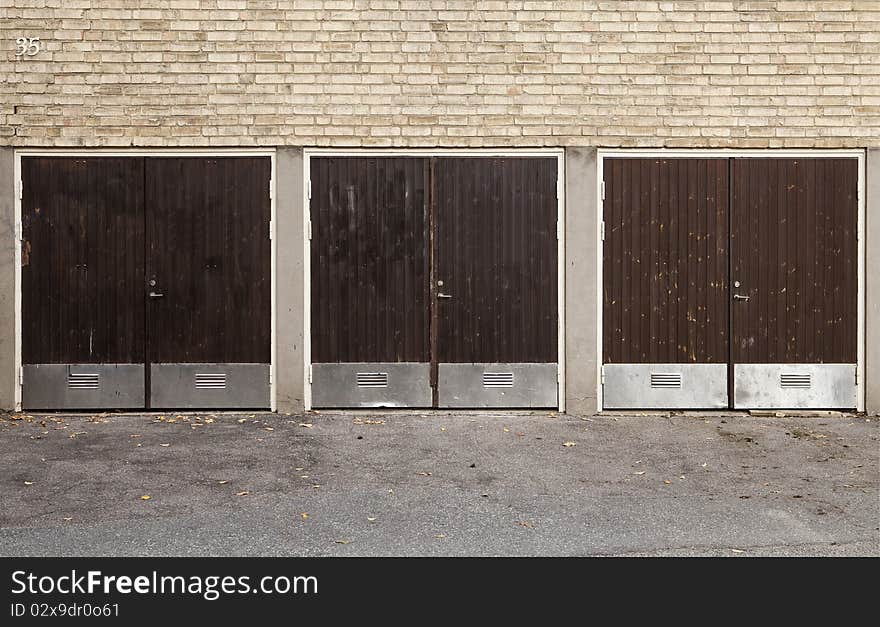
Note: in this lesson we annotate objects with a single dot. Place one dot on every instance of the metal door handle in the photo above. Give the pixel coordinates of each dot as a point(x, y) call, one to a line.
point(440, 295)
point(740, 297)
point(156, 294)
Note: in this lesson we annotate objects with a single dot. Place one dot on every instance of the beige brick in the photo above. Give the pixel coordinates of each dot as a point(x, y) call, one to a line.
point(763, 73)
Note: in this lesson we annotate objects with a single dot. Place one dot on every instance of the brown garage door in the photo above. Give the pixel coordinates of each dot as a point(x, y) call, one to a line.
point(434, 282)
point(145, 282)
point(794, 268)
point(82, 272)
point(785, 229)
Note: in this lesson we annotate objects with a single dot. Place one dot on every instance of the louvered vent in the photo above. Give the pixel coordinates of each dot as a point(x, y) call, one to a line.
point(210, 380)
point(372, 379)
point(665, 379)
point(82, 381)
point(790, 380)
point(497, 379)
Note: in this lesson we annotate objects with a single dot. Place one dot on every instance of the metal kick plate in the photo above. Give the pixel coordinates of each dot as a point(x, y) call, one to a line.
point(794, 386)
point(371, 385)
point(209, 386)
point(83, 386)
point(474, 386)
point(664, 386)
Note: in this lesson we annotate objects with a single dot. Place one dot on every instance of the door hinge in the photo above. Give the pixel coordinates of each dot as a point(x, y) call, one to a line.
point(271, 225)
point(310, 374)
point(310, 189)
point(21, 376)
point(602, 230)
point(20, 189)
point(602, 189)
point(558, 229)
point(270, 376)
point(310, 229)
point(271, 189)
point(857, 375)
point(602, 375)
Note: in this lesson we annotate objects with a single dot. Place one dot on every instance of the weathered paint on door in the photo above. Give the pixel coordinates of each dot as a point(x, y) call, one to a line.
point(762, 251)
point(794, 253)
point(133, 264)
point(495, 281)
point(422, 264)
point(82, 269)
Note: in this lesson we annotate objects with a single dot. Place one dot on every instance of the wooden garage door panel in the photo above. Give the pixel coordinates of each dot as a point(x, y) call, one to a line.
point(82, 260)
point(665, 261)
point(369, 259)
point(496, 253)
point(210, 254)
point(794, 249)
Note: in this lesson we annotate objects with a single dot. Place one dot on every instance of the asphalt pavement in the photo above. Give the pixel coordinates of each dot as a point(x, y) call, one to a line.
point(501, 483)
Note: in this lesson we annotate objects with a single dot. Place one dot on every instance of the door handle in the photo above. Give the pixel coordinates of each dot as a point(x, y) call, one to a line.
point(441, 295)
point(156, 295)
point(740, 297)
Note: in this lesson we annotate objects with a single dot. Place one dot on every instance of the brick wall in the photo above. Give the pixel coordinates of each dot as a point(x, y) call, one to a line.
point(441, 72)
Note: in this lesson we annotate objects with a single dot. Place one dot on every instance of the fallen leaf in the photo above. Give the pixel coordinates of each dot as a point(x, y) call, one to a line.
point(506, 430)
point(305, 516)
point(223, 481)
point(299, 468)
point(209, 420)
point(68, 519)
point(371, 519)
point(569, 444)
point(440, 535)
point(641, 472)
point(241, 420)
point(526, 523)
point(343, 541)
point(424, 473)
point(29, 483)
point(667, 481)
point(268, 428)
point(242, 493)
point(442, 428)
point(146, 497)
point(307, 425)
point(737, 550)
point(166, 445)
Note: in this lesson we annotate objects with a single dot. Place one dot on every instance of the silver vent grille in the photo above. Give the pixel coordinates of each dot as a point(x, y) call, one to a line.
point(372, 379)
point(665, 379)
point(790, 380)
point(82, 381)
point(497, 379)
point(210, 380)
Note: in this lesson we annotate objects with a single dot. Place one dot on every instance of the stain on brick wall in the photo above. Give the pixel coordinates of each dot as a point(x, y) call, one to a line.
point(441, 73)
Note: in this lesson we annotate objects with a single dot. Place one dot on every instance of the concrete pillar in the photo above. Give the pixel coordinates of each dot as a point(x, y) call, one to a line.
point(289, 281)
point(581, 282)
point(7, 279)
point(872, 283)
